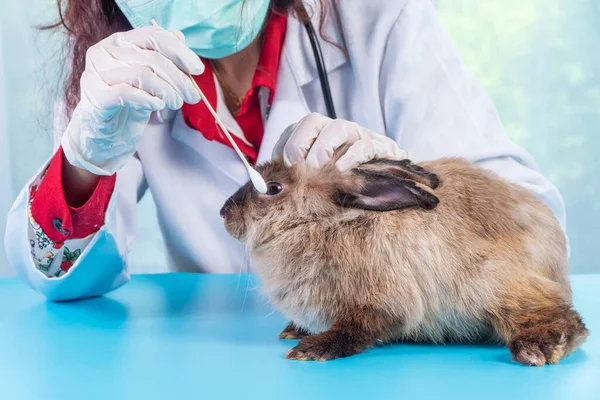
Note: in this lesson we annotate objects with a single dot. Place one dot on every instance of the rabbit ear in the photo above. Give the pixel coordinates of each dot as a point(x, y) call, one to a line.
point(384, 192)
point(403, 169)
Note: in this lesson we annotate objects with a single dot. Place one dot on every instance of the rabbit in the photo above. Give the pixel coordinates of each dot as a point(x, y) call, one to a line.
point(440, 251)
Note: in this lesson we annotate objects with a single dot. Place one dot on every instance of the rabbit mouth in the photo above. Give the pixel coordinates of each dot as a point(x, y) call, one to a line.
point(235, 227)
point(233, 220)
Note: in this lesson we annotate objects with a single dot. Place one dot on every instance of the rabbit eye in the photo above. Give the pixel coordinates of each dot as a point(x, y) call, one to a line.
point(274, 188)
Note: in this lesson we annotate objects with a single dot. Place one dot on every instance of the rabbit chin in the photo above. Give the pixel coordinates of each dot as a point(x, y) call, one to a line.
point(235, 227)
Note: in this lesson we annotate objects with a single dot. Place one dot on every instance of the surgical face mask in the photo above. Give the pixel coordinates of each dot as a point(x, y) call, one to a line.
point(212, 28)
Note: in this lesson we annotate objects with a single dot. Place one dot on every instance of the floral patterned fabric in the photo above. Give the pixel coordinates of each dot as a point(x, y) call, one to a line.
point(53, 259)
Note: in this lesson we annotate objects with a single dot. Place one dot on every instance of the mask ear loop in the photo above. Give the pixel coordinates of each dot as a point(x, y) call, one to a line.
point(257, 181)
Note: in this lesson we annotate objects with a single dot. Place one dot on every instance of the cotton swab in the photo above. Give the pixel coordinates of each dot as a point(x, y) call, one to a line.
point(257, 181)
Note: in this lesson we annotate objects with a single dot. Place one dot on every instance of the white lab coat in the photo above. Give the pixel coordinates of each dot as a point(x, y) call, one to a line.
point(401, 77)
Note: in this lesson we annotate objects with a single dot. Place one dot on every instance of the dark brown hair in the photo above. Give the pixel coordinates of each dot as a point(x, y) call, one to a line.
point(89, 21)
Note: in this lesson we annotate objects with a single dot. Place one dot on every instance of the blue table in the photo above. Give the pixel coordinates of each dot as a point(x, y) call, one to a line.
point(184, 336)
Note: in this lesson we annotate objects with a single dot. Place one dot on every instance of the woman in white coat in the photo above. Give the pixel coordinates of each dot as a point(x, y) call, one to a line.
point(131, 121)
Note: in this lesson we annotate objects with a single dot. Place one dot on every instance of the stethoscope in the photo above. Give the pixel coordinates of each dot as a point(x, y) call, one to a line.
point(316, 48)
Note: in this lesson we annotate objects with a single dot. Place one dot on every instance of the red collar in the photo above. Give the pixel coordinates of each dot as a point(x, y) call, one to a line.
point(268, 63)
point(197, 115)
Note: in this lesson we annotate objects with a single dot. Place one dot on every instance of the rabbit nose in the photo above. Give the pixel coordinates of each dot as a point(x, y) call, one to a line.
point(236, 200)
point(226, 207)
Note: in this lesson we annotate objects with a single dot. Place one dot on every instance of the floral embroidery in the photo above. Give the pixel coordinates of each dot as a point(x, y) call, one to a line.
point(43, 240)
point(32, 221)
point(69, 259)
point(46, 263)
point(53, 259)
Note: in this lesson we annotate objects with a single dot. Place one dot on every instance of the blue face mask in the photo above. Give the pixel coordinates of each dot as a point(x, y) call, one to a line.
point(212, 28)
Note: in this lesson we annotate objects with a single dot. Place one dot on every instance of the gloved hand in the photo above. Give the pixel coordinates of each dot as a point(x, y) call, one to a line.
point(315, 138)
point(127, 76)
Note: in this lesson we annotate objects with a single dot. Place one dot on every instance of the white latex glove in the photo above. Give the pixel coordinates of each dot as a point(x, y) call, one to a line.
point(127, 76)
point(316, 137)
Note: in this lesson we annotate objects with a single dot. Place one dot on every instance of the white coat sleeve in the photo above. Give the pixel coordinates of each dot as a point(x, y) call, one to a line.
point(101, 258)
point(434, 106)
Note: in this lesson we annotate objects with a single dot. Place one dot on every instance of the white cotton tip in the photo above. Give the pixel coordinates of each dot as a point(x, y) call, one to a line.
point(257, 181)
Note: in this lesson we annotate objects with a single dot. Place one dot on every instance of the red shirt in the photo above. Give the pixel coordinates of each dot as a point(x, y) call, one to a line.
point(249, 117)
point(61, 222)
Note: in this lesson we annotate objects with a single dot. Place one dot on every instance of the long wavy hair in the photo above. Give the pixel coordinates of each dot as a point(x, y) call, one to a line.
point(89, 21)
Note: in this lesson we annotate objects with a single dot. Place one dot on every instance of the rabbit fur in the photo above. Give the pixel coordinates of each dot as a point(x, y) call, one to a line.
point(443, 251)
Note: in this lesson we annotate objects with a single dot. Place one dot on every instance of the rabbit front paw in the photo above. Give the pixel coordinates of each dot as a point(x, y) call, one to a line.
point(329, 345)
point(315, 348)
point(348, 336)
point(309, 352)
point(293, 332)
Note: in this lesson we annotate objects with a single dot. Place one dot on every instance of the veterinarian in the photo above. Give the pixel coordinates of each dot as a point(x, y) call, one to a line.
point(131, 121)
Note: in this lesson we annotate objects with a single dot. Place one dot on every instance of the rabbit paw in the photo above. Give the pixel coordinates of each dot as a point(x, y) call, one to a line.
point(538, 351)
point(305, 353)
point(293, 332)
point(311, 351)
point(546, 344)
point(346, 337)
point(325, 346)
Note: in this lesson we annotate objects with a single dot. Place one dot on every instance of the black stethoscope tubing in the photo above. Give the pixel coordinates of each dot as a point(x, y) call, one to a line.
point(316, 47)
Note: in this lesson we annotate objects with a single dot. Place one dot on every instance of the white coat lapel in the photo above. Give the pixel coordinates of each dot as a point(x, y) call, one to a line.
point(298, 49)
point(289, 105)
point(296, 69)
point(220, 156)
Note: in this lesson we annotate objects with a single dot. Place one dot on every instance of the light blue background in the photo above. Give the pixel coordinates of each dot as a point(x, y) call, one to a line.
point(538, 59)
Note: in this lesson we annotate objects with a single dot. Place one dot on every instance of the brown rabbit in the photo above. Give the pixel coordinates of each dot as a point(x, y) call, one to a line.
point(392, 252)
